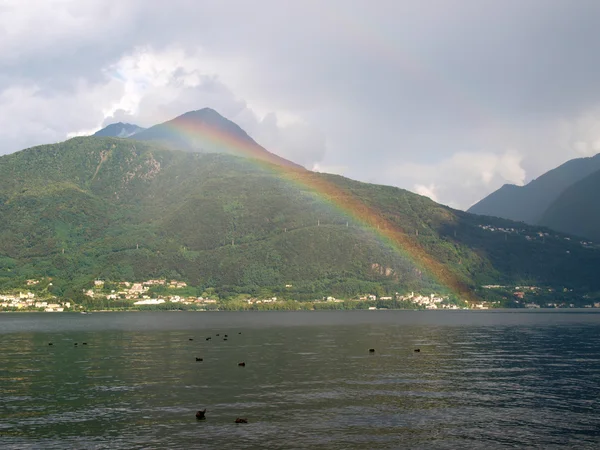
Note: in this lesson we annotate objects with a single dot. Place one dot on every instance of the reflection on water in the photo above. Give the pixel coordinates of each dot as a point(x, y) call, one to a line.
point(480, 380)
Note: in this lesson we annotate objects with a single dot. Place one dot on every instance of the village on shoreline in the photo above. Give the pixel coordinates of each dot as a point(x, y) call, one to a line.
point(162, 294)
point(125, 295)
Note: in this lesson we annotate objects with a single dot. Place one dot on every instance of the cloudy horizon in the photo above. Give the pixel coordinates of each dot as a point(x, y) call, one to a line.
point(450, 99)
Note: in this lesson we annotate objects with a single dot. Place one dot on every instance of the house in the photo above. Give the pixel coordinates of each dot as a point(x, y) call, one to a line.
point(137, 288)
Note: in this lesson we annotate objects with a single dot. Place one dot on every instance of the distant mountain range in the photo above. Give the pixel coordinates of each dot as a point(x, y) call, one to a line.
point(577, 209)
point(564, 199)
point(225, 214)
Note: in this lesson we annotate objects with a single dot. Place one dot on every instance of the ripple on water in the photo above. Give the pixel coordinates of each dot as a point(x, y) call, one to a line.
point(516, 384)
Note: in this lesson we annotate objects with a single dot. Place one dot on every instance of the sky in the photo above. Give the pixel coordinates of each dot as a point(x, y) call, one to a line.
point(447, 98)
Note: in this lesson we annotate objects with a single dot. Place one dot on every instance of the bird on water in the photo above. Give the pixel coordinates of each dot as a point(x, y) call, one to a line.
point(200, 414)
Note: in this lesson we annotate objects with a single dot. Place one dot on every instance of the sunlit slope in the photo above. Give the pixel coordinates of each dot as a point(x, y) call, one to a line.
point(121, 209)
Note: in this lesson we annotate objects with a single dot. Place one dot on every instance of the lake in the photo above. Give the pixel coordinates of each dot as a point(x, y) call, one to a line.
point(490, 379)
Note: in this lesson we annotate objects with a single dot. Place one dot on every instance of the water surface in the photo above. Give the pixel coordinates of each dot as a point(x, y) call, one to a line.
point(481, 379)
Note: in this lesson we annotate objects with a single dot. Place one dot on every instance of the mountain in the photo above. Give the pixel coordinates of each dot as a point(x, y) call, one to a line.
point(207, 131)
point(120, 130)
point(577, 210)
point(528, 203)
point(121, 209)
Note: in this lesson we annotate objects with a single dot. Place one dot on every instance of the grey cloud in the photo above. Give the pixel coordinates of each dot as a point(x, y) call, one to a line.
point(375, 85)
point(299, 141)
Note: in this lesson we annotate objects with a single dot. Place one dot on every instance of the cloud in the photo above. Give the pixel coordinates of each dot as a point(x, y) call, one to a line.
point(322, 168)
point(31, 116)
point(581, 134)
point(160, 85)
point(459, 180)
point(370, 92)
point(427, 191)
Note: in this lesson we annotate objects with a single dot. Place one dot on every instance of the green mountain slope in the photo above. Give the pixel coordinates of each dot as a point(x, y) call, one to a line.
point(119, 209)
point(528, 203)
point(577, 209)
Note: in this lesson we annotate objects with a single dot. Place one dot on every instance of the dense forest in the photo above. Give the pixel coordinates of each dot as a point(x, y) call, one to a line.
point(117, 209)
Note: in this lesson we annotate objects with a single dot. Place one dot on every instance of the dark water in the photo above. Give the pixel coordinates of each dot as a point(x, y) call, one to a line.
point(481, 380)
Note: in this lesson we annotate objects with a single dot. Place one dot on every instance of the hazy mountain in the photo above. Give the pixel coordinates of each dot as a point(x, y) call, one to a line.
point(577, 209)
point(120, 130)
point(207, 131)
point(528, 203)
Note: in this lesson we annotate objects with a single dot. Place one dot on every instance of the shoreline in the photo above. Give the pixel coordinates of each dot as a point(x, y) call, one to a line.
point(528, 310)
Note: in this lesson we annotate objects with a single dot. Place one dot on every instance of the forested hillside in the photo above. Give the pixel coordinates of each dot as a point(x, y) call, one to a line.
point(119, 209)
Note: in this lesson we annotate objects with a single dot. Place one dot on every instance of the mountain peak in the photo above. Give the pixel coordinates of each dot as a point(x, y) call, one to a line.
point(119, 129)
point(210, 118)
point(203, 112)
point(206, 131)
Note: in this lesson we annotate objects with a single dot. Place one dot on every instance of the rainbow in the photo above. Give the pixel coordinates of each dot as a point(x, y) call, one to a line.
point(391, 234)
